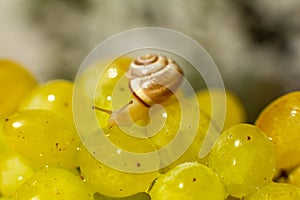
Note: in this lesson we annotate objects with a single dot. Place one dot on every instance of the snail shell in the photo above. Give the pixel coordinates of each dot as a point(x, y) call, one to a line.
point(154, 78)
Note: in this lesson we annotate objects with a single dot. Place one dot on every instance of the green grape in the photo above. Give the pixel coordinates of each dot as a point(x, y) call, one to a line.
point(294, 176)
point(14, 169)
point(15, 82)
point(138, 196)
point(235, 111)
point(112, 182)
point(43, 137)
point(54, 183)
point(188, 181)
point(244, 159)
point(169, 131)
point(5, 198)
point(3, 145)
point(275, 191)
point(55, 95)
point(232, 198)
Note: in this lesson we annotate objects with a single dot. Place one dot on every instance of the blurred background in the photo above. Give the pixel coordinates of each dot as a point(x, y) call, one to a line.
point(255, 44)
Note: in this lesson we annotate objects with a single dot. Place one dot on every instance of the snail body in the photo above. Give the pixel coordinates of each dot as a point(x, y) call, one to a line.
point(152, 80)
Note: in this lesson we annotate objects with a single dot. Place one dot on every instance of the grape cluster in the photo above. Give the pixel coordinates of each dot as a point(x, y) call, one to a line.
point(42, 156)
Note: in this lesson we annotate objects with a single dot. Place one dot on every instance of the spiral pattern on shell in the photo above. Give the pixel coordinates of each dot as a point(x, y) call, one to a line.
point(154, 78)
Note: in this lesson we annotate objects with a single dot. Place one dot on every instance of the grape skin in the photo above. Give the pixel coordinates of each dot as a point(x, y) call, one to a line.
point(294, 176)
point(280, 121)
point(54, 183)
point(235, 111)
point(54, 95)
point(111, 182)
point(43, 137)
point(188, 181)
point(14, 169)
point(244, 159)
point(275, 191)
point(15, 82)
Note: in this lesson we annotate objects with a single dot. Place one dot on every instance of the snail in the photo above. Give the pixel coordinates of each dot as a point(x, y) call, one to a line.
point(152, 80)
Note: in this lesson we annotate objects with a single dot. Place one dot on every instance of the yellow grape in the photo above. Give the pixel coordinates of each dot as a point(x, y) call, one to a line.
point(294, 176)
point(232, 198)
point(112, 182)
point(188, 181)
point(3, 145)
point(112, 91)
point(105, 82)
point(13, 168)
point(172, 124)
point(280, 121)
point(43, 137)
point(244, 159)
point(54, 95)
point(235, 111)
point(275, 191)
point(94, 87)
point(5, 198)
point(54, 183)
point(15, 82)
point(137, 196)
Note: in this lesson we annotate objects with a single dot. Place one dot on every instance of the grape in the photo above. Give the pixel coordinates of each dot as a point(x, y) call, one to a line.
point(294, 176)
point(4, 198)
point(55, 95)
point(54, 183)
point(168, 132)
point(232, 198)
point(188, 181)
point(3, 145)
point(112, 90)
point(111, 182)
point(235, 111)
point(280, 121)
point(275, 191)
point(106, 82)
point(95, 86)
point(43, 137)
point(13, 167)
point(137, 196)
point(15, 82)
point(244, 159)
